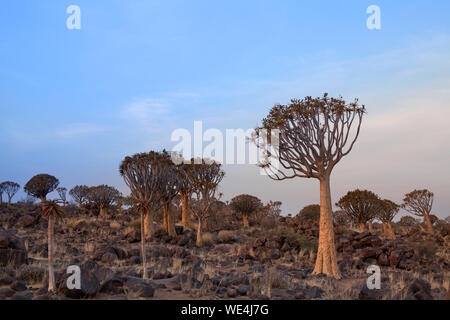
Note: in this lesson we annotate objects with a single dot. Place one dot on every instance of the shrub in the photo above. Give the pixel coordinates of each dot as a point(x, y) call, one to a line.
point(208, 238)
point(311, 212)
point(226, 236)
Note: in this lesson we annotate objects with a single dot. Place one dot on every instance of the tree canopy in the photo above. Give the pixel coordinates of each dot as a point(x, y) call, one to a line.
point(41, 185)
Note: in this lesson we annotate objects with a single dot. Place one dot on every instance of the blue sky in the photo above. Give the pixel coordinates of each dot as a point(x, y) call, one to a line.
point(73, 103)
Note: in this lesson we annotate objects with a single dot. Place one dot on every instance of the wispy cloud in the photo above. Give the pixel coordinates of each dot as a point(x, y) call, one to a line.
point(80, 129)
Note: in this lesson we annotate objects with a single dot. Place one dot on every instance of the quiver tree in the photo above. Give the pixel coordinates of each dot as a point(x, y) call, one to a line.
point(102, 198)
point(79, 195)
point(361, 206)
point(204, 176)
point(62, 192)
point(419, 203)
point(41, 185)
point(52, 211)
point(185, 191)
point(388, 210)
point(314, 135)
point(340, 218)
point(246, 205)
point(10, 188)
point(146, 175)
point(2, 190)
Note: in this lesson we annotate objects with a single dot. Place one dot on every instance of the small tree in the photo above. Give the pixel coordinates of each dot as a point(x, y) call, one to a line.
point(246, 205)
point(340, 218)
point(361, 206)
point(62, 192)
point(103, 197)
point(52, 211)
point(205, 176)
point(79, 195)
point(41, 185)
point(311, 212)
point(185, 191)
point(388, 210)
point(419, 203)
point(314, 135)
point(11, 189)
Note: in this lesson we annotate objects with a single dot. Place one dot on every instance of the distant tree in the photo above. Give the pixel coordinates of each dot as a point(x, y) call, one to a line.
point(408, 221)
point(2, 190)
point(62, 192)
point(79, 195)
point(11, 189)
point(102, 198)
point(340, 218)
point(274, 208)
point(205, 176)
point(41, 185)
point(185, 191)
point(52, 211)
point(246, 205)
point(313, 134)
point(360, 205)
point(386, 214)
point(419, 203)
point(447, 219)
point(311, 212)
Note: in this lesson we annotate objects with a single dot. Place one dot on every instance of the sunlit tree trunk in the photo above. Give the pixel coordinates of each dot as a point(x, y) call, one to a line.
point(370, 227)
point(144, 257)
point(390, 231)
point(148, 224)
point(384, 227)
point(362, 227)
point(428, 223)
point(51, 272)
point(165, 221)
point(170, 220)
point(245, 218)
point(199, 233)
point(326, 261)
point(184, 211)
point(9, 200)
point(102, 211)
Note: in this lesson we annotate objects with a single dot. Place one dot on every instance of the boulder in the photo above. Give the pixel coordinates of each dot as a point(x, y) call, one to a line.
point(12, 249)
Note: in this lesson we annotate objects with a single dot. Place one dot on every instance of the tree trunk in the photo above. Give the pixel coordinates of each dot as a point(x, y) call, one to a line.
point(245, 218)
point(144, 257)
point(9, 200)
point(51, 272)
point(102, 211)
point(384, 228)
point(326, 261)
point(148, 224)
point(184, 211)
point(428, 223)
point(391, 232)
point(165, 221)
point(199, 233)
point(370, 227)
point(1, 199)
point(362, 227)
point(170, 220)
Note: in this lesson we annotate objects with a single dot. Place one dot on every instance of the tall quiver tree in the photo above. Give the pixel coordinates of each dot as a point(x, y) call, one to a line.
point(144, 174)
point(62, 192)
point(205, 176)
point(10, 188)
point(420, 203)
point(2, 190)
point(314, 135)
point(52, 211)
point(361, 206)
point(185, 191)
point(246, 205)
point(388, 210)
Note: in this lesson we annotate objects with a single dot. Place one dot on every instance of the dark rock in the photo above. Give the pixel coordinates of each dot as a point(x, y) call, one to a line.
point(24, 295)
point(231, 293)
point(419, 290)
point(18, 286)
point(89, 286)
point(12, 249)
point(6, 292)
point(370, 294)
point(244, 290)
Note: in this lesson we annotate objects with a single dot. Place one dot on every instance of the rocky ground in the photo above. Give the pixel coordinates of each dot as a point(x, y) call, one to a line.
point(255, 263)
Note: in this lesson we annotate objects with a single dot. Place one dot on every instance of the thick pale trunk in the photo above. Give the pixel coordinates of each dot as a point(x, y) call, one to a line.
point(428, 223)
point(51, 272)
point(170, 220)
point(165, 221)
point(184, 211)
point(199, 233)
point(144, 256)
point(390, 231)
point(384, 228)
point(370, 227)
point(245, 218)
point(326, 261)
point(102, 211)
point(362, 227)
point(148, 224)
point(9, 200)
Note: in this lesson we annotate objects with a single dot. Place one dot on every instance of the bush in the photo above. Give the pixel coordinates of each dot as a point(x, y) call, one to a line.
point(226, 236)
point(208, 239)
point(311, 212)
point(294, 240)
